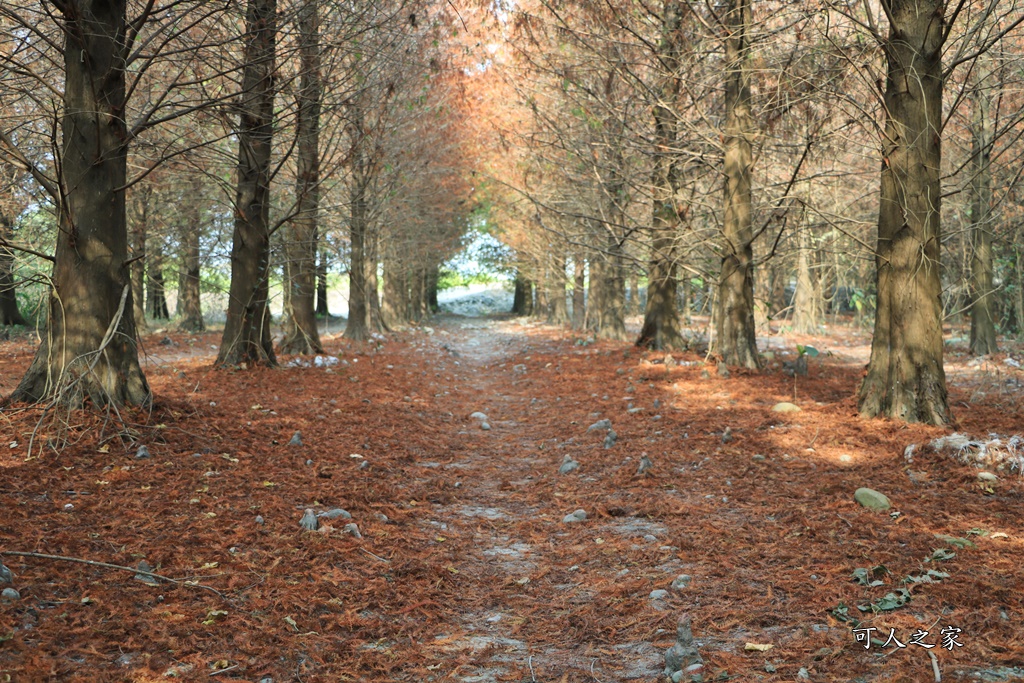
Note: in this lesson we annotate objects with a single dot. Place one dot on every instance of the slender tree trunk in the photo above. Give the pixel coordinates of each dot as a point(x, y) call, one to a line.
point(301, 248)
point(139, 228)
point(358, 326)
point(661, 316)
point(394, 302)
point(736, 340)
point(190, 311)
point(805, 299)
point(633, 305)
point(156, 296)
point(433, 278)
point(247, 330)
point(983, 326)
point(905, 379)
point(579, 292)
point(89, 350)
point(321, 285)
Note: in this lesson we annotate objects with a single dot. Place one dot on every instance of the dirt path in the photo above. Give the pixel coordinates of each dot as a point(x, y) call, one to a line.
point(465, 569)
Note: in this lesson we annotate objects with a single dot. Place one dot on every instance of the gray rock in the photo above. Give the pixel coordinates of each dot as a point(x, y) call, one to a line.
point(681, 582)
point(646, 465)
point(352, 530)
point(6, 575)
point(659, 594)
point(143, 453)
point(600, 424)
point(259, 519)
point(146, 578)
point(568, 465)
point(573, 517)
point(10, 595)
point(478, 416)
point(309, 522)
point(335, 513)
point(486, 426)
point(683, 655)
point(727, 435)
point(610, 439)
point(987, 477)
point(382, 518)
point(786, 407)
point(871, 499)
point(296, 439)
point(757, 457)
point(308, 463)
point(803, 674)
point(657, 403)
point(704, 374)
point(519, 369)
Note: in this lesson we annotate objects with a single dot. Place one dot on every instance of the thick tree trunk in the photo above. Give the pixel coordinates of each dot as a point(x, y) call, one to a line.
point(905, 379)
point(736, 340)
point(433, 278)
point(301, 248)
point(983, 326)
point(559, 311)
point(661, 316)
point(247, 330)
point(579, 292)
point(394, 300)
point(358, 326)
point(190, 311)
point(9, 313)
point(805, 299)
point(89, 349)
point(522, 297)
point(156, 296)
point(607, 306)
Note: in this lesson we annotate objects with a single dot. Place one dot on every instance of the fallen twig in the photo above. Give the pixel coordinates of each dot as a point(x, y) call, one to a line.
point(935, 667)
point(106, 565)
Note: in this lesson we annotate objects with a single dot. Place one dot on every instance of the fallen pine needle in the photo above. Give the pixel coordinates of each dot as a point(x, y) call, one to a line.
point(107, 565)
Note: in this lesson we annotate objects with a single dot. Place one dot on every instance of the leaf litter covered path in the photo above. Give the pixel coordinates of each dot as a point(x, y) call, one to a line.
point(465, 569)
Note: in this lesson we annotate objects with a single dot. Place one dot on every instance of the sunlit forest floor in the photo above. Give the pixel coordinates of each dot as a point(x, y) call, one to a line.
point(463, 568)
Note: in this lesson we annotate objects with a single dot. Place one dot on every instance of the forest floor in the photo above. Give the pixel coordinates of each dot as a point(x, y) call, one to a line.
point(464, 568)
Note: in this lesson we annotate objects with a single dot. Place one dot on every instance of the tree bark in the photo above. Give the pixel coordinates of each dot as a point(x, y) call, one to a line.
point(805, 299)
point(9, 313)
point(579, 292)
point(905, 379)
point(247, 330)
point(156, 296)
point(190, 311)
point(522, 298)
point(661, 316)
point(736, 340)
point(983, 326)
point(304, 336)
point(89, 350)
point(139, 227)
point(559, 311)
point(321, 286)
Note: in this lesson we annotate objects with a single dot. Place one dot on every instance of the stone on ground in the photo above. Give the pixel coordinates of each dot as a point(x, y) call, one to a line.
point(146, 578)
point(296, 439)
point(645, 465)
point(610, 439)
point(6, 575)
point(573, 517)
point(683, 655)
point(568, 465)
point(10, 595)
point(786, 407)
point(478, 416)
point(681, 582)
point(335, 513)
point(352, 530)
point(309, 522)
point(142, 453)
point(600, 424)
point(871, 499)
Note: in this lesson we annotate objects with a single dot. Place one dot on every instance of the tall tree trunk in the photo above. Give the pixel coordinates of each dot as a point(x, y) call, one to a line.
point(9, 313)
point(394, 300)
point(89, 350)
point(138, 230)
point(433, 278)
point(805, 299)
point(190, 311)
point(358, 326)
point(156, 296)
point(983, 326)
point(607, 306)
point(736, 340)
point(579, 292)
point(559, 311)
point(661, 316)
point(321, 286)
point(247, 330)
point(905, 379)
point(522, 298)
point(301, 248)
